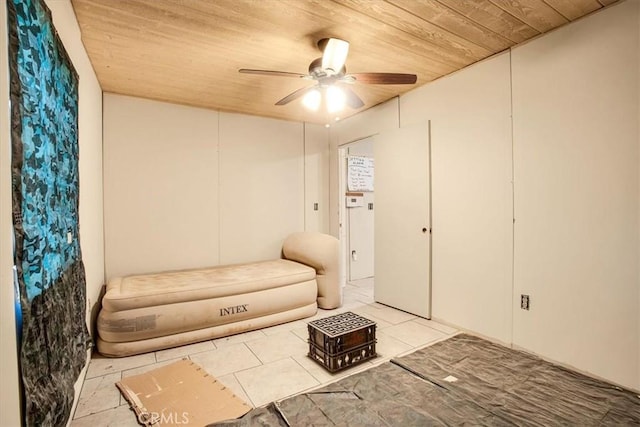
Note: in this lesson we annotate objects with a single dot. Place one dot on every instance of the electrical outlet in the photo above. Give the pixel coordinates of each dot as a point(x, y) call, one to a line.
point(524, 302)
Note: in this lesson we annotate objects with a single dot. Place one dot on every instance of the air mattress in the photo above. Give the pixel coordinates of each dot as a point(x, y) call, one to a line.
point(143, 313)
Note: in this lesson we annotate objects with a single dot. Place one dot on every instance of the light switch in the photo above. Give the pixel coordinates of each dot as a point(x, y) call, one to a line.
point(69, 237)
point(355, 201)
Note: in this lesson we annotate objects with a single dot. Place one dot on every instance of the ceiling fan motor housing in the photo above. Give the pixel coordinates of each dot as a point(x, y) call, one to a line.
point(322, 75)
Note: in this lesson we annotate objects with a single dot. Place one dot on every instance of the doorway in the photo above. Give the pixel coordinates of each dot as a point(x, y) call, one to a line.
point(357, 210)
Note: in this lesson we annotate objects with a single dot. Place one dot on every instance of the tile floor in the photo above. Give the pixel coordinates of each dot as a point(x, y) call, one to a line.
point(259, 366)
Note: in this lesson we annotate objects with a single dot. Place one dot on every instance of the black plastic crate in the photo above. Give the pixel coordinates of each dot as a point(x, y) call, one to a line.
point(346, 359)
point(342, 340)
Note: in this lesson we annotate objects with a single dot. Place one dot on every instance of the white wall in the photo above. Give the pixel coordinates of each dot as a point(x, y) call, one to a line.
point(367, 123)
point(160, 186)
point(261, 186)
point(187, 187)
point(575, 133)
point(9, 392)
point(576, 193)
point(471, 194)
point(91, 218)
point(316, 172)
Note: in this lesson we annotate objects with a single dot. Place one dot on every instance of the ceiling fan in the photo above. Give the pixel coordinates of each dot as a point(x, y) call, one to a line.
point(330, 71)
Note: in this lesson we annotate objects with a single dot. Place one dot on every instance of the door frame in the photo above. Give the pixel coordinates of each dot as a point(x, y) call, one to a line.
point(343, 218)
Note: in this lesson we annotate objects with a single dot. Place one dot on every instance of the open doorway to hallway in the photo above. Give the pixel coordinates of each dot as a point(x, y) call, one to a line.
point(357, 210)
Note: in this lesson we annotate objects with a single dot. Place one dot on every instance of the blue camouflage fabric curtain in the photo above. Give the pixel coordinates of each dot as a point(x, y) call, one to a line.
point(44, 143)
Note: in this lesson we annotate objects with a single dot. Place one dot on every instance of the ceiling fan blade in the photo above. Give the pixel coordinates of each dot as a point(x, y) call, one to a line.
point(272, 73)
point(334, 54)
point(294, 95)
point(385, 78)
point(353, 100)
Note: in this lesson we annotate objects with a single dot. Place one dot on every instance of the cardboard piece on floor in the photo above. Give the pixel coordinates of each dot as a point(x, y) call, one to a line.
point(179, 394)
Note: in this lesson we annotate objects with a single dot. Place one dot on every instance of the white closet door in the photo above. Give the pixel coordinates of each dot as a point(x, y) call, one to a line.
point(402, 220)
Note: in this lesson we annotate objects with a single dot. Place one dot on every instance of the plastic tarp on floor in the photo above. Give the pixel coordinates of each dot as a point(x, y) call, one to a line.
point(461, 381)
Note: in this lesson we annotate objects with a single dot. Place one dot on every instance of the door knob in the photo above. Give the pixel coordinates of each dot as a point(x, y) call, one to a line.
point(424, 230)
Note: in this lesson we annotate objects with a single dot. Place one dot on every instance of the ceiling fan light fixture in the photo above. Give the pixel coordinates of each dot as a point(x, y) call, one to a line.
point(335, 99)
point(335, 55)
point(312, 99)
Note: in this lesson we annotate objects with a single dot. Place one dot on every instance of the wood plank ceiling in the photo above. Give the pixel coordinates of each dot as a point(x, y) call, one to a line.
point(189, 51)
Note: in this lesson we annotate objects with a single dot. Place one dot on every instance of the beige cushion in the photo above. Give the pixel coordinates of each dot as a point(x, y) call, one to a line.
point(320, 251)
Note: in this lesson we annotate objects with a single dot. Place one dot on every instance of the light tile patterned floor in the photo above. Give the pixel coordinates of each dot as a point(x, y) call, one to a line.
point(259, 366)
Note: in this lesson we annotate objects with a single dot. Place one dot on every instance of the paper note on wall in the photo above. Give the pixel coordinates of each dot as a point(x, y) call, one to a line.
point(360, 173)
